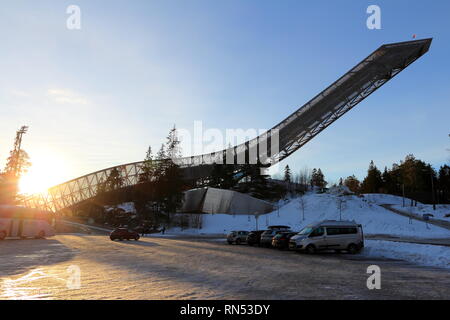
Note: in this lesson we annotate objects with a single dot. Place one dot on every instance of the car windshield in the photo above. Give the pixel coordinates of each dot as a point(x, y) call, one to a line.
point(305, 231)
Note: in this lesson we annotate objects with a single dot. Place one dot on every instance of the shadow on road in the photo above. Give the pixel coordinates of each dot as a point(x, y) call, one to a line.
point(137, 243)
point(18, 256)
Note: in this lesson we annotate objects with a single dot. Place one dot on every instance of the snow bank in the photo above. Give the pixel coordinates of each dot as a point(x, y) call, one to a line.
point(375, 219)
point(428, 255)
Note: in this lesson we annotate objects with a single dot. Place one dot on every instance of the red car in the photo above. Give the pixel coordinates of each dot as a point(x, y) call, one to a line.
point(123, 233)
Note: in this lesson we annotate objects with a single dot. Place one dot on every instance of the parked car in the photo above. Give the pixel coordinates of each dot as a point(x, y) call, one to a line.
point(254, 237)
point(329, 235)
point(281, 239)
point(123, 233)
point(237, 237)
point(267, 236)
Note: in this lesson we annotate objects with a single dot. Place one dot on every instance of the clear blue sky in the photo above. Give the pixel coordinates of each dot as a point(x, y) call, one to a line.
point(98, 96)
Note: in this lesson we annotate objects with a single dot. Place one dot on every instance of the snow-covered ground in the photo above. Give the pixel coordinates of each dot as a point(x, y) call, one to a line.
point(427, 255)
point(364, 210)
point(420, 209)
point(380, 198)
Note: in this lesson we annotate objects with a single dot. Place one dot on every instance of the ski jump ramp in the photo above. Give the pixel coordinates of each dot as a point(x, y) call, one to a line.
point(287, 136)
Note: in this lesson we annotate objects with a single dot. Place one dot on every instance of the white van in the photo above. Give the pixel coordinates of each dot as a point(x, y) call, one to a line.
point(329, 235)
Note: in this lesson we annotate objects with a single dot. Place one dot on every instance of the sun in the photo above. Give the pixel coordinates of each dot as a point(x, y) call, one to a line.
point(47, 170)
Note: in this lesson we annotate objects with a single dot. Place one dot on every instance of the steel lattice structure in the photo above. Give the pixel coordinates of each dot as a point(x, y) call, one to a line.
point(287, 136)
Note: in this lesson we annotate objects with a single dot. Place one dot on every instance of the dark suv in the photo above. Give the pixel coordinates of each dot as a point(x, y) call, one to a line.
point(267, 236)
point(123, 233)
point(281, 239)
point(254, 237)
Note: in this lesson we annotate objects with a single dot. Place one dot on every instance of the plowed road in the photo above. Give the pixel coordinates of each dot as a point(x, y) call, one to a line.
point(194, 268)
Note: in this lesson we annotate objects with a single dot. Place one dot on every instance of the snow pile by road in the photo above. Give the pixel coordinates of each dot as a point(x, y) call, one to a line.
point(316, 207)
point(427, 255)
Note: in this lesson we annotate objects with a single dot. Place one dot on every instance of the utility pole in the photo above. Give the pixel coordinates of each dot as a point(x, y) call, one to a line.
point(403, 189)
point(17, 149)
point(432, 189)
point(13, 169)
point(432, 186)
point(16, 165)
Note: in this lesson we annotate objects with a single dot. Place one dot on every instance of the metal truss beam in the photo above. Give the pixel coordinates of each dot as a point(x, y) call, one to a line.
point(294, 132)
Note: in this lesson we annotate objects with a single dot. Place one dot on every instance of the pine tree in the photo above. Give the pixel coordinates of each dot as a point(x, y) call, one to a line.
point(318, 179)
point(114, 181)
point(148, 167)
point(352, 183)
point(160, 165)
point(173, 149)
point(373, 182)
point(287, 174)
point(444, 183)
point(313, 177)
point(321, 183)
point(172, 180)
point(144, 193)
point(222, 176)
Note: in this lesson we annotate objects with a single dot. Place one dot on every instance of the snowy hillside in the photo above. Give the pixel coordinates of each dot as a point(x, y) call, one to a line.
point(440, 213)
point(441, 209)
point(364, 210)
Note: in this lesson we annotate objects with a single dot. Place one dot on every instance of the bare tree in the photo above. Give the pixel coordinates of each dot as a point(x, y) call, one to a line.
point(340, 202)
point(302, 205)
point(304, 177)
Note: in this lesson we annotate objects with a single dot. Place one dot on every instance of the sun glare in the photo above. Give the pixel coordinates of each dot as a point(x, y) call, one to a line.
point(46, 171)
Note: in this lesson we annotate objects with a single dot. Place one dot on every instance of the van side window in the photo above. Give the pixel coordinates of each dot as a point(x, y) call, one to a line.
point(333, 231)
point(343, 230)
point(318, 232)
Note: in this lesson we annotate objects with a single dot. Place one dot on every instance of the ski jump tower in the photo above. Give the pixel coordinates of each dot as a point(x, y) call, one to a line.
point(292, 133)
